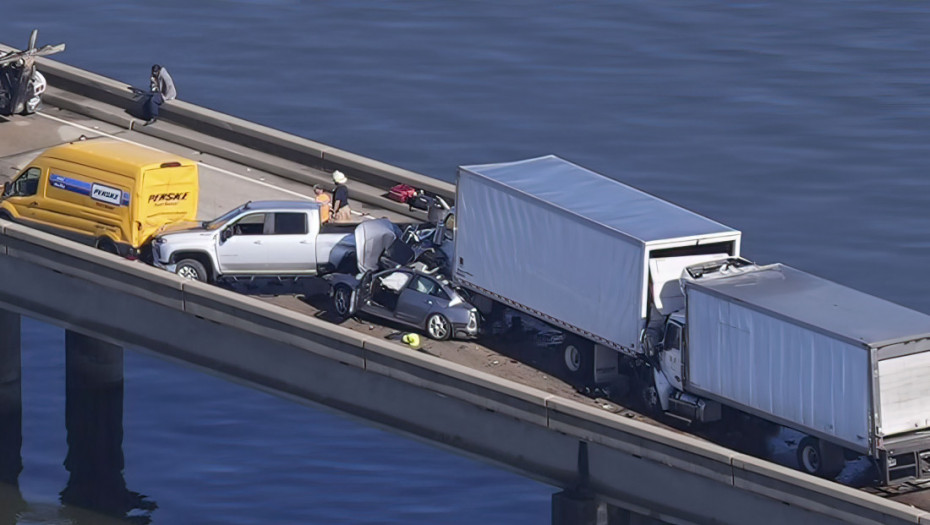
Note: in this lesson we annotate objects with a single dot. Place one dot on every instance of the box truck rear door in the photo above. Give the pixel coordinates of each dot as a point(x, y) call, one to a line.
point(664, 274)
point(904, 391)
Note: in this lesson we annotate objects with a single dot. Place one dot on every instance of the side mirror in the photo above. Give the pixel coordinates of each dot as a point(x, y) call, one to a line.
point(6, 187)
point(226, 234)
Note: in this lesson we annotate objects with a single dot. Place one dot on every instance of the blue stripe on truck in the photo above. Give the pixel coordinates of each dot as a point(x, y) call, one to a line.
point(95, 191)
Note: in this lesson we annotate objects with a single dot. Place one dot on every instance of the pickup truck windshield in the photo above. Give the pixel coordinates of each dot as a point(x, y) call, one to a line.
point(223, 219)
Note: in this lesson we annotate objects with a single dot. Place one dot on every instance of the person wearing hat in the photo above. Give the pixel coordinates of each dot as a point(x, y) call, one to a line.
point(341, 211)
point(324, 199)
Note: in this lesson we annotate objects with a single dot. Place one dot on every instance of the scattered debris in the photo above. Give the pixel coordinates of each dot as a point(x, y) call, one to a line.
point(412, 339)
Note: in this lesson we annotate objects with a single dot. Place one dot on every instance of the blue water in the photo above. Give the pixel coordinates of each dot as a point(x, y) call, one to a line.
point(209, 451)
point(805, 125)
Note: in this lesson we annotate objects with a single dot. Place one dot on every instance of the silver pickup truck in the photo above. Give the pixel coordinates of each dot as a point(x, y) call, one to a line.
point(261, 238)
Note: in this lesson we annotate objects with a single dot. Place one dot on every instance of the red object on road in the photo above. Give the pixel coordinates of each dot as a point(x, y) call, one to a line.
point(402, 193)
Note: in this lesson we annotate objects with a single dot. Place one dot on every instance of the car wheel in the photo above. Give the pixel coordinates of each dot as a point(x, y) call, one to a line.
point(192, 270)
point(438, 327)
point(342, 300)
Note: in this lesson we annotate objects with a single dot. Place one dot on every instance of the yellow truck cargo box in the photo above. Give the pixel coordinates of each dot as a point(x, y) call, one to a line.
point(108, 193)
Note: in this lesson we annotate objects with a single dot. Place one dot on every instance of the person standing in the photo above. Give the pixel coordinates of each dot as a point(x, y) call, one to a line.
point(324, 199)
point(162, 90)
point(341, 210)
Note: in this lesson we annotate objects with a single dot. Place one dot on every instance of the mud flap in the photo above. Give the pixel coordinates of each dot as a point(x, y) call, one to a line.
point(606, 364)
point(663, 388)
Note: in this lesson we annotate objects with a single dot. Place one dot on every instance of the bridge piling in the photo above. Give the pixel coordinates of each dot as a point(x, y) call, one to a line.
point(11, 405)
point(94, 423)
point(571, 507)
point(11, 418)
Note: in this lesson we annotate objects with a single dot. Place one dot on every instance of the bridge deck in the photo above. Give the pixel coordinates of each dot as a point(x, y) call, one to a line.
point(225, 185)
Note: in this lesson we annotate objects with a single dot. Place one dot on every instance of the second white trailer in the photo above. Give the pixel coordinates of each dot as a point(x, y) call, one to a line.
point(840, 365)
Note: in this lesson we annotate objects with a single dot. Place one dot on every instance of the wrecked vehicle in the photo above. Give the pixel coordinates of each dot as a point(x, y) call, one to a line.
point(21, 84)
point(410, 296)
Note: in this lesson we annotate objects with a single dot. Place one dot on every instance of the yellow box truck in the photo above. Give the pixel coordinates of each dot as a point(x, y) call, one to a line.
point(108, 193)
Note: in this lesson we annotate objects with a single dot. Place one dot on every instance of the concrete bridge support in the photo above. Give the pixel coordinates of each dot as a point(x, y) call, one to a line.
point(578, 505)
point(11, 418)
point(581, 508)
point(94, 422)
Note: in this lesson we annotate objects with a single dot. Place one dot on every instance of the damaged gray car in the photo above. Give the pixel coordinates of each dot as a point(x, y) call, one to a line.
point(409, 296)
point(388, 289)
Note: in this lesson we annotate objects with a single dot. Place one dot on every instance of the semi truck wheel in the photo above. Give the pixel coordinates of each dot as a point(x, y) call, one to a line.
point(820, 458)
point(191, 269)
point(578, 360)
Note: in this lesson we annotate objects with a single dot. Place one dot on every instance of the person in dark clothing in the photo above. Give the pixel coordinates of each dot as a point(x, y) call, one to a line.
point(162, 90)
point(341, 210)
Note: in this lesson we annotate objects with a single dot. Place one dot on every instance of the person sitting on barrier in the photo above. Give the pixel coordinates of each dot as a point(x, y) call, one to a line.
point(341, 210)
point(162, 90)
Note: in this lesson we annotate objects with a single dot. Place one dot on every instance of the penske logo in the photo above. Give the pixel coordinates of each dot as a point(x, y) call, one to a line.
point(106, 194)
point(168, 197)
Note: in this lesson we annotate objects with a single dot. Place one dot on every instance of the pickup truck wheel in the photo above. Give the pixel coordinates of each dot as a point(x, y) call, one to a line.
point(342, 300)
point(191, 269)
point(438, 327)
point(819, 458)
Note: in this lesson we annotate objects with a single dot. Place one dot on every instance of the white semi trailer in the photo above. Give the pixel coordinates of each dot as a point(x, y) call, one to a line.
point(846, 368)
point(579, 251)
point(619, 272)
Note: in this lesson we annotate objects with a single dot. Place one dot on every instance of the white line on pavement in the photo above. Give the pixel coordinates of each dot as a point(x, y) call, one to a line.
point(221, 170)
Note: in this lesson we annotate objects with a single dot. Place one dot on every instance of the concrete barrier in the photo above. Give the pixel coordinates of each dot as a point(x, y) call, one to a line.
point(480, 389)
point(273, 322)
point(90, 264)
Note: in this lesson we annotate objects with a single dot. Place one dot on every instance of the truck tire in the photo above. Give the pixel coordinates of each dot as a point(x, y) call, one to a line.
point(578, 360)
point(192, 269)
point(108, 246)
point(820, 458)
point(342, 300)
point(438, 327)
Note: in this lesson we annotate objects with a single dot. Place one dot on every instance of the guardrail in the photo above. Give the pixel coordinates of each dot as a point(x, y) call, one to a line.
point(528, 430)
